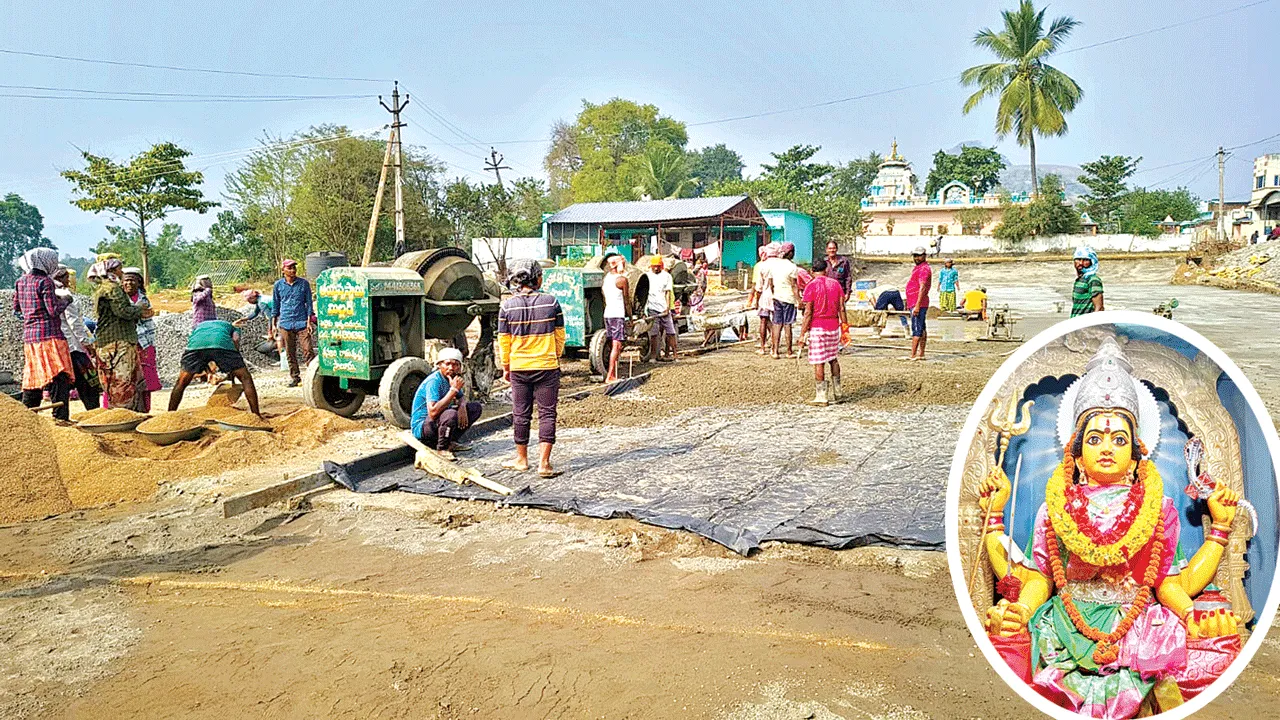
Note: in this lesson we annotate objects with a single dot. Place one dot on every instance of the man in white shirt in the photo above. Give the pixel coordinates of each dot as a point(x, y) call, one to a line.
point(782, 274)
point(658, 309)
point(617, 308)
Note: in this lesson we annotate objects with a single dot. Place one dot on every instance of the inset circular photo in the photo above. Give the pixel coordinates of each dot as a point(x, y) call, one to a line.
point(1112, 519)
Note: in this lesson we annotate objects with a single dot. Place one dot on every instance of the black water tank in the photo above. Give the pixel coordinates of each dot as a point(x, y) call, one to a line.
point(318, 262)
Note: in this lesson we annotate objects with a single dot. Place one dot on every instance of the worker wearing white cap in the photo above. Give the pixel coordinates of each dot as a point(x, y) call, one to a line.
point(918, 302)
point(441, 413)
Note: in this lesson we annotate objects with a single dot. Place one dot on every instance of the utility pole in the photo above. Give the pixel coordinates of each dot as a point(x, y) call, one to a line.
point(396, 107)
point(494, 165)
point(1222, 216)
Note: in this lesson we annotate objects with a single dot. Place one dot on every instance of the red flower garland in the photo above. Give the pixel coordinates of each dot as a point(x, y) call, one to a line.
point(1078, 507)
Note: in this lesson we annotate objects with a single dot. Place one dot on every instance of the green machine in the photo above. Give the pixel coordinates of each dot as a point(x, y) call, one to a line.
point(374, 324)
point(581, 299)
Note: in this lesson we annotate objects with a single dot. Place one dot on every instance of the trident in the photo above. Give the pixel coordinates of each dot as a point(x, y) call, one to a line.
point(1004, 420)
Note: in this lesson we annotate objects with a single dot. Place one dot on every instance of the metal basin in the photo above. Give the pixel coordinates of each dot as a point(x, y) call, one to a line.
point(234, 427)
point(169, 438)
point(113, 427)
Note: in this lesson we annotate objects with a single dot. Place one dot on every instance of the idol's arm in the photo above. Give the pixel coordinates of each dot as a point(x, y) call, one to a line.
point(1035, 586)
point(1204, 564)
point(1174, 596)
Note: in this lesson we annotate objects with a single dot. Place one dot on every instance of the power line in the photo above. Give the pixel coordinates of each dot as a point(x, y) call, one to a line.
point(1171, 26)
point(99, 98)
point(181, 68)
point(46, 88)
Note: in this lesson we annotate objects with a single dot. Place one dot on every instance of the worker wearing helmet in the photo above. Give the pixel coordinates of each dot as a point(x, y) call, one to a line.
point(441, 412)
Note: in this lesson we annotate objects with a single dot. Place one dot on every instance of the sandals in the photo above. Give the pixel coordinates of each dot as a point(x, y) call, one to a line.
point(511, 465)
point(548, 473)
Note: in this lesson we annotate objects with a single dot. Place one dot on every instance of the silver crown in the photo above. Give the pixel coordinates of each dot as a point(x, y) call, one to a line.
point(1107, 382)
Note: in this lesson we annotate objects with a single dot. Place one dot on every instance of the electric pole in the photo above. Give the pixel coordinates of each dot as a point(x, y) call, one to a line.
point(1222, 216)
point(494, 165)
point(396, 107)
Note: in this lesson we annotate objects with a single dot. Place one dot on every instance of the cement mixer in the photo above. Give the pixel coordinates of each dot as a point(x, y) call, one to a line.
point(377, 327)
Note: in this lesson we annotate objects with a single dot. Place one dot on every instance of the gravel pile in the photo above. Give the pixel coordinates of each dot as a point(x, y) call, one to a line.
point(172, 330)
point(1253, 263)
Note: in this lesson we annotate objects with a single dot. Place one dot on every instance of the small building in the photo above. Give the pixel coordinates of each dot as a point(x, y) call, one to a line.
point(893, 207)
point(1088, 224)
point(727, 230)
point(1265, 200)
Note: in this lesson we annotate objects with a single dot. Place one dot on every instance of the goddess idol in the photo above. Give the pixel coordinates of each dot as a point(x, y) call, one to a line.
point(1098, 615)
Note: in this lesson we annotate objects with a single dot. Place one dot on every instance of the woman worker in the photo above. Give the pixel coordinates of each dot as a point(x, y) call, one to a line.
point(48, 363)
point(132, 286)
point(79, 340)
point(117, 335)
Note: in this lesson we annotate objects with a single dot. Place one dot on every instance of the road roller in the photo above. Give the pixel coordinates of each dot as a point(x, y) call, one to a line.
point(582, 300)
point(377, 329)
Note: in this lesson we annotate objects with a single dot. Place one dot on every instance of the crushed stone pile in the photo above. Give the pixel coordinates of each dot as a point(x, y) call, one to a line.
point(1250, 267)
point(31, 487)
point(172, 331)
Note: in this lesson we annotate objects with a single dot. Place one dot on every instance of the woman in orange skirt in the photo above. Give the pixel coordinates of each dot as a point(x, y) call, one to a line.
point(48, 365)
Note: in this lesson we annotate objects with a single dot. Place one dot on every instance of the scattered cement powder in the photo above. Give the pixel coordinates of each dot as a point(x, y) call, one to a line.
point(710, 565)
point(31, 487)
point(59, 641)
point(776, 706)
point(170, 422)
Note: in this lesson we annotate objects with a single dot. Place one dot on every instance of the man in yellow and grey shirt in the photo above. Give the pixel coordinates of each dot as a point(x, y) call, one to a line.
point(530, 343)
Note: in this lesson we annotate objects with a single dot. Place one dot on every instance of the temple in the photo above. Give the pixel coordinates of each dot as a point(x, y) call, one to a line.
point(893, 207)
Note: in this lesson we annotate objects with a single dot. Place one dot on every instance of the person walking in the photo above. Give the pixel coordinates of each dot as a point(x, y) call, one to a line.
point(824, 315)
point(617, 309)
point(79, 340)
point(1086, 293)
point(531, 339)
point(291, 311)
point(132, 286)
point(839, 269)
point(202, 307)
point(117, 337)
point(441, 412)
point(761, 298)
point(783, 275)
point(948, 286)
point(659, 308)
point(918, 302)
point(47, 363)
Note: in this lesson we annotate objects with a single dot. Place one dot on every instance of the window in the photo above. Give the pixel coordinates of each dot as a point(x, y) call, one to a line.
point(699, 239)
point(1260, 181)
point(1275, 180)
point(734, 236)
point(672, 237)
point(615, 237)
point(926, 229)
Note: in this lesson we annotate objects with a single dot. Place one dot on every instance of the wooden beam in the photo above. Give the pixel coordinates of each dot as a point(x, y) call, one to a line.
point(277, 492)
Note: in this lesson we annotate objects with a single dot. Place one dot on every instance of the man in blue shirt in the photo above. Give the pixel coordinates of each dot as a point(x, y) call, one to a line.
point(441, 413)
point(291, 309)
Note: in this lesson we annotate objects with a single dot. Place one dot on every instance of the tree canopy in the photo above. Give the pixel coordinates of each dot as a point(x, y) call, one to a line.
point(714, 164)
point(1035, 97)
point(1105, 178)
point(854, 178)
point(979, 168)
point(1142, 210)
point(21, 229)
point(145, 189)
point(1046, 214)
point(614, 142)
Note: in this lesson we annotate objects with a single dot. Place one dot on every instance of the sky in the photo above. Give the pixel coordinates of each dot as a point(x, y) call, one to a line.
point(502, 73)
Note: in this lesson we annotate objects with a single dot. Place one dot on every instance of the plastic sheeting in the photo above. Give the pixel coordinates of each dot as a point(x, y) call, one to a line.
point(836, 477)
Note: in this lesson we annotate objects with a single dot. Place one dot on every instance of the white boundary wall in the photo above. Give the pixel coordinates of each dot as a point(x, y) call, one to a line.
point(532, 248)
point(904, 244)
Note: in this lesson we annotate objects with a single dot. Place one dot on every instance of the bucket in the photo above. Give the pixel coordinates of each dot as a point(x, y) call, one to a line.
point(318, 262)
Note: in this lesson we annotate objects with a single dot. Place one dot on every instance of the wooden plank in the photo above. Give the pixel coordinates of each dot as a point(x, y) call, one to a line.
point(274, 493)
point(429, 461)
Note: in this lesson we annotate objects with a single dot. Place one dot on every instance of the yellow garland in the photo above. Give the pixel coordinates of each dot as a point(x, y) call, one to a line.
point(1138, 535)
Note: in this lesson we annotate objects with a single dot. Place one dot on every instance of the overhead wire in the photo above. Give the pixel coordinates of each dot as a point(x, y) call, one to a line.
point(190, 69)
point(46, 88)
point(100, 98)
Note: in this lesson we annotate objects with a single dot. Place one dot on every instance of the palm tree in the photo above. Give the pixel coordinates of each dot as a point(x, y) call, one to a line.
point(1034, 96)
point(663, 173)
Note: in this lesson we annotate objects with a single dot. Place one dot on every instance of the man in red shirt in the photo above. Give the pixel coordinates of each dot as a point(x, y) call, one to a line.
point(824, 315)
point(918, 302)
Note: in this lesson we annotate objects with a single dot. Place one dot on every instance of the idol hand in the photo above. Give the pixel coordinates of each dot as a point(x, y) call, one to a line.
point(994, 491)
point(1222, 505)
point(1219, 623)
point(1007, 619)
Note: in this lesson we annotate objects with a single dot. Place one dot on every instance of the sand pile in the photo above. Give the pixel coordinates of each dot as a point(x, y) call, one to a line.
point(125, 467)
point(171, 422)
point(243, 419)
point(114, 416)
point(31, 486)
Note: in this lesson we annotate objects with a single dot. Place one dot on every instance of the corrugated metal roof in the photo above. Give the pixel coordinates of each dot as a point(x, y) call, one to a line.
point(646, 211)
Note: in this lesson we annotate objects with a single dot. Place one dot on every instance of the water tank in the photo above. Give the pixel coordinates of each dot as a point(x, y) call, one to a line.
point(318, 262)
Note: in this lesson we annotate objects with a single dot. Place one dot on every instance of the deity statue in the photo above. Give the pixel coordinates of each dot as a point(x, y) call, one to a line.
point(1098, 615)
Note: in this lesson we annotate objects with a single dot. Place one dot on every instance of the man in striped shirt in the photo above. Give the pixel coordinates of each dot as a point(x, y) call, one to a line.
point(530, 342)
point(1086, 293)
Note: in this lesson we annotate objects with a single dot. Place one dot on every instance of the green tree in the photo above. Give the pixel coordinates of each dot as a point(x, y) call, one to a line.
point(531, 200)
point(973, 219)
point(1142, 210)
point(793, 168)
point(262, 190)
point(661, 172)
point(562, 162)
point(21, 229)
point(147, 188)
point(173, 263)
point(1047, 214)
point(1105, 178)
point(1035, 97)
point(979, 168)
point(610, 139)
point(854, 178)
point(714, 164)
point(234, 238)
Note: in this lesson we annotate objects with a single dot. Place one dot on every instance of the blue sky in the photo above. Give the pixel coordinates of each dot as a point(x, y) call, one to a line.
point(504, 72)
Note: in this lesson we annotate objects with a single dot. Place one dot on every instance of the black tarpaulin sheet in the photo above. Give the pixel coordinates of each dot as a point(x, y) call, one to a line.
point(837, 477)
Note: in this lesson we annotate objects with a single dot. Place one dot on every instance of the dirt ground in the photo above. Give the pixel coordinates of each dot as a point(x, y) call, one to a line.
point(407, 606)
